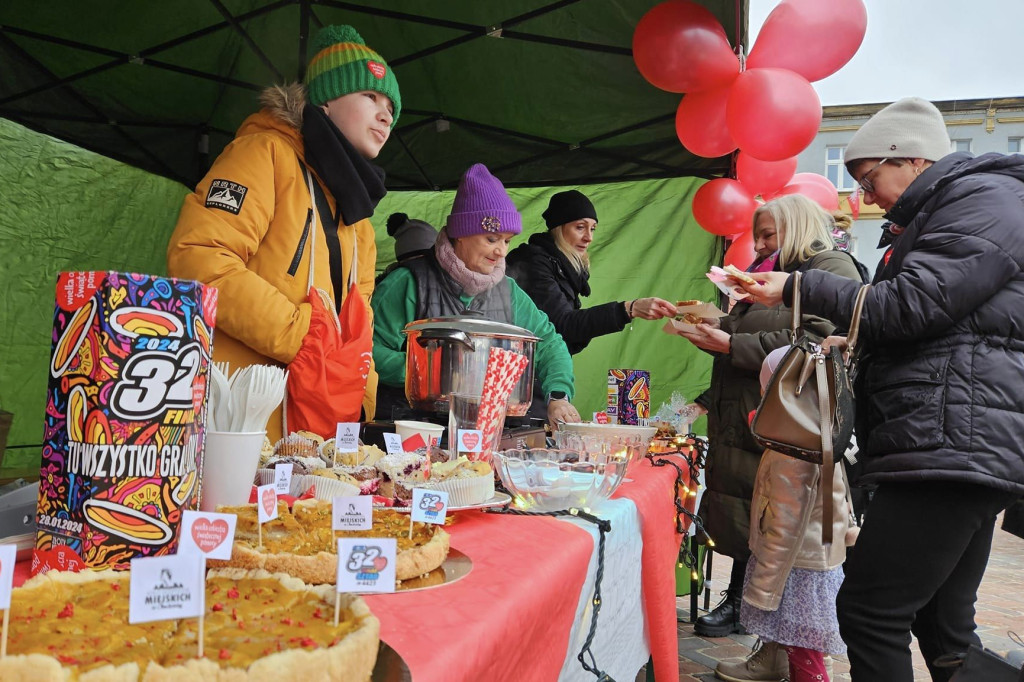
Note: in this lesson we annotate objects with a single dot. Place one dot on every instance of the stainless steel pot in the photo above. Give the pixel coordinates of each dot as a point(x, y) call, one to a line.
point(447, 355)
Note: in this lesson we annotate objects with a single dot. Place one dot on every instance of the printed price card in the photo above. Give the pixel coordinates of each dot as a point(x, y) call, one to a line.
point(347, 437)
point(283, 477)
point(266, 502)
point(207, 533)
point(352, 513)
point(429, 506)
point(393, 443)
point(166, 588)
point(366, 564)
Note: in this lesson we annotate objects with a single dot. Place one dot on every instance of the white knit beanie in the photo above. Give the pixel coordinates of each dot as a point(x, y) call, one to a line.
point(911, 128)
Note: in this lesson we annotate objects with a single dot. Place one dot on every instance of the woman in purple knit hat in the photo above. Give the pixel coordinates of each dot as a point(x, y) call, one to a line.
point(466, 272)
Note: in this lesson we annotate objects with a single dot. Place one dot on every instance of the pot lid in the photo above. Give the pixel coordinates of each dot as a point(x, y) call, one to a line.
point(471, 325)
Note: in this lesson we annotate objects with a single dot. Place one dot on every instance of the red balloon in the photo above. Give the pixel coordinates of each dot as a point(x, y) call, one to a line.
point(773, 114)
point(811, 37)
point(724, 207)
point(817, 188)
point(741, 252)
point(679, 46)
point(763, 177)
point(700, 123)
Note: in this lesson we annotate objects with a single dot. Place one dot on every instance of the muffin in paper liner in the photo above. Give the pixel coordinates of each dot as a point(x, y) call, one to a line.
point(326, 488)
point(463, 491)
point(295, 445)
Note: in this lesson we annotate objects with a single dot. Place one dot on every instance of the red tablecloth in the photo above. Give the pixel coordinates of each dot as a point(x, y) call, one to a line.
point(509, 619)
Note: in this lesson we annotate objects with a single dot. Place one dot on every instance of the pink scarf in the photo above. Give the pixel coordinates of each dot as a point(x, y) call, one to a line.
point(472, 283)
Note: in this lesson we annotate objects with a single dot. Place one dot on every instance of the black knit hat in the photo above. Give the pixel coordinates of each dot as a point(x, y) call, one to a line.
point(566, 207)
point(410, 234)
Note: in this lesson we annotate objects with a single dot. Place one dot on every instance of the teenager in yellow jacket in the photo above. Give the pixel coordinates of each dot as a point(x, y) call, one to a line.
point(246, 229)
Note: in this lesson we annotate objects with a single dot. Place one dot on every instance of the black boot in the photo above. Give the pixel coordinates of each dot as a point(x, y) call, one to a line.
point(725, 618)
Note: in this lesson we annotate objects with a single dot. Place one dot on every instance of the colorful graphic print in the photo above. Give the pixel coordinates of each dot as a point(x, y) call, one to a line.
point(125, 416)
point(629, 396)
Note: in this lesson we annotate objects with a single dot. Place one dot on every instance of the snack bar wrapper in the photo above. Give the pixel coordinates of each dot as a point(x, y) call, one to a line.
point(629, 396)
point(125, 416)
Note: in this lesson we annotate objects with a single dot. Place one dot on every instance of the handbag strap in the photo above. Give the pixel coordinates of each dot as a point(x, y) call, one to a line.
point(796, 305)
point(858, 310)
point(828, 462)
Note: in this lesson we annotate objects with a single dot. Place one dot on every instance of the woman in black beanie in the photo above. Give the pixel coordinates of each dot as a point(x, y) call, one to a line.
point(553, 268)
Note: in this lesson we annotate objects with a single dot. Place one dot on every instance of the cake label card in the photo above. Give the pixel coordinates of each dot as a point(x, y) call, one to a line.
point(266, 502)
point(8, 557)
point(347, 437)
point(283, 477)
point(393, 443)
point(429, 506)
point(166, 588)
point(366, 564)
point(471, 440)
point(352, 513)
point(207, 533)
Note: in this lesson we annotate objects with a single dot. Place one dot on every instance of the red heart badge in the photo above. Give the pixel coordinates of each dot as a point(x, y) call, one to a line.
point(379, 563)
point(439, 505)
point(209, 534)
point(470, 440)
point(377, 69)
point(269, 501)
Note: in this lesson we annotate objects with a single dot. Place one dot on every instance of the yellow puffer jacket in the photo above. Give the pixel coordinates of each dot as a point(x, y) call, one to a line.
point(240, 231)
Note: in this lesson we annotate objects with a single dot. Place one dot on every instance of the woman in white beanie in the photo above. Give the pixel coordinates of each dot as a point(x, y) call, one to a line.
point(940, 405)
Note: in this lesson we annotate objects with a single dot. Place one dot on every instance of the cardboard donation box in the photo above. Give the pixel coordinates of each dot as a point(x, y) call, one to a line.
point(125, 414)
point(629, 396)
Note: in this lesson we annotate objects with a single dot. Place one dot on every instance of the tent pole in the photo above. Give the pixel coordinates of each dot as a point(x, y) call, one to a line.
point(237, 27)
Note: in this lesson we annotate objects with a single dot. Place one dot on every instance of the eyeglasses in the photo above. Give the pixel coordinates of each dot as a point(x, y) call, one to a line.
point(866, 184)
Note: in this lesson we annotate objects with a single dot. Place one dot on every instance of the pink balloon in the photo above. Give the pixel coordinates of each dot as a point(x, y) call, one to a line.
point(772, 114)
point(763, 177)
point(817, 188)
point(741, 252)
point(700, 123)
point(679, 46)
point(724, 207)
point(811, 37)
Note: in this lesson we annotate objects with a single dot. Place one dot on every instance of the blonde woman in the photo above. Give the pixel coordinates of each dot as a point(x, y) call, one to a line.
point(553, 268)
point(739, 344)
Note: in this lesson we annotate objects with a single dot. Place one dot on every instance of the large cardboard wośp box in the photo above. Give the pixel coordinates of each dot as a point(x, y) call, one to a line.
point(125, 415)
point(629, 396)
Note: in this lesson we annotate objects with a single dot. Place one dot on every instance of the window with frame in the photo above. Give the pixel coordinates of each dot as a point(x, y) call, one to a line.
point(1013, 145)
point(960, 145)
point(835, 168)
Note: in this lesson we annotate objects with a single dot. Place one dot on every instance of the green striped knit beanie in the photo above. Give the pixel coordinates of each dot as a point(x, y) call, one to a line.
point(343, 64)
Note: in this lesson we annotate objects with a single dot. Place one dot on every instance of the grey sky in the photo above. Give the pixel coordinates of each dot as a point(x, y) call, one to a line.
point(936, 49)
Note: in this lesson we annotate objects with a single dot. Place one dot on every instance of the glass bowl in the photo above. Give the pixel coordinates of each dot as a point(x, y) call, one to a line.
point(557, 479)
point(605, 438)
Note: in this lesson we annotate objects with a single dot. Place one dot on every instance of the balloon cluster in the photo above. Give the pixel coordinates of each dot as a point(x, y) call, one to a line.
point(764, 106)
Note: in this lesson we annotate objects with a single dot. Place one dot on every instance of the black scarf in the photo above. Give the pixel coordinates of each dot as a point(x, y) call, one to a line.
point(356, 184)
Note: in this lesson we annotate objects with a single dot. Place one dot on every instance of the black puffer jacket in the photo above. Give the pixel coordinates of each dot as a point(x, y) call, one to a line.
point(940, 390)
point(547, 276)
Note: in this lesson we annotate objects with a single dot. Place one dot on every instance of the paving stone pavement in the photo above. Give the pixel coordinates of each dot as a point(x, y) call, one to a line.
point(1000, 609)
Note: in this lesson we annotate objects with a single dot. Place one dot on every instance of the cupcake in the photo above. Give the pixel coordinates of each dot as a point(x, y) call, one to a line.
point(296, 446)
point(467, 483)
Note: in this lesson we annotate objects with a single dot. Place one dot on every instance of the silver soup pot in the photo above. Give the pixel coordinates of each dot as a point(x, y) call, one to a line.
point(447, 355)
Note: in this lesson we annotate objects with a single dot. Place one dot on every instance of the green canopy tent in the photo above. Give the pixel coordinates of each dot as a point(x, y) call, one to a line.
point(545, 93)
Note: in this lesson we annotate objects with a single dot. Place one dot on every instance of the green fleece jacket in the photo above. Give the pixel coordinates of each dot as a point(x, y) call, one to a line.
point(394, 306)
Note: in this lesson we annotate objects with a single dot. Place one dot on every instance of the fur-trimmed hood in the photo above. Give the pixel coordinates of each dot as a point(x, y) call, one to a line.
point(285, 102)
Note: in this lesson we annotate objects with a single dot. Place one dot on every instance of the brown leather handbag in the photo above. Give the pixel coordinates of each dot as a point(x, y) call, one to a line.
point(806, 409)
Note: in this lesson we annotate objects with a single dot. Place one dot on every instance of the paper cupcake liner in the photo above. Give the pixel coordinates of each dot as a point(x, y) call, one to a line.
point(464, 491)
point(326, 488)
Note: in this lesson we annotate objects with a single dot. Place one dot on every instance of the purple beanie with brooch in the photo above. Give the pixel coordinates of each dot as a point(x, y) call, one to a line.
point(482, 206)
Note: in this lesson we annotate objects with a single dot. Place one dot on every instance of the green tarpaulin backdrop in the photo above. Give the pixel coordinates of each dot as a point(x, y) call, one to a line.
point(64, 208)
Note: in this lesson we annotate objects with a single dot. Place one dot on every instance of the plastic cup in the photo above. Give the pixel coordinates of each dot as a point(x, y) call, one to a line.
point(426, 430)
point(229, 467)
point(463, 414)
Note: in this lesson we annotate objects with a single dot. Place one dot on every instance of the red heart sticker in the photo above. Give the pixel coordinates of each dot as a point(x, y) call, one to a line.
point(377, 69)
point(470, 440)
point(209, 534)
point(379, 563)
point(269, 501)
point(439, 505)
